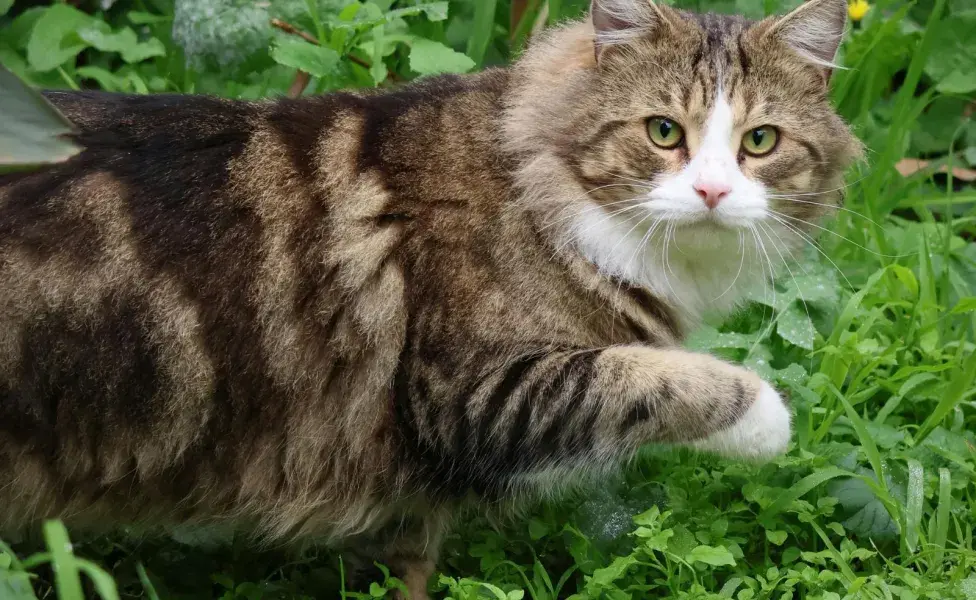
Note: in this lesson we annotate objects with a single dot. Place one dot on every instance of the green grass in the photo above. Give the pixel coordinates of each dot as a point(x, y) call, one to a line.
point(872, 337)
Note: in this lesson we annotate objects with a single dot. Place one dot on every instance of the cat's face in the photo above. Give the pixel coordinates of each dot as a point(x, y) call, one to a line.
point(718, 123)
point(707, 139)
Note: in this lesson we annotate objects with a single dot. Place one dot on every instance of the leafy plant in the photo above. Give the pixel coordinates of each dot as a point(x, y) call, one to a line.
point(871, 334)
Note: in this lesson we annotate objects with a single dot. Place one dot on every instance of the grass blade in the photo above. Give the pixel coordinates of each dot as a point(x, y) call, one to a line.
point(939, 536)
point(961, 382)
point(147, 585)
point(104, 584)
point(799, 490)
point(913, 508)
point(482, 31)
point(67, 578)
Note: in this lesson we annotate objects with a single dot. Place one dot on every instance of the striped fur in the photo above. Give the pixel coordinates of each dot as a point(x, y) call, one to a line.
point(340, 318)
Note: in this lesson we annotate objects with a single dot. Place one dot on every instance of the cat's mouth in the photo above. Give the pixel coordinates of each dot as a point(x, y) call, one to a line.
point(715, 221)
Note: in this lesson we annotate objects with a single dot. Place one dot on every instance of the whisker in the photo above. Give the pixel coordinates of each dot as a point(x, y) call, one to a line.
point(834, 233)
point(831, 191)
point(608, 216)
point(625, 178)
point(668, 230)
point(830, 206)
point(589, 209)
point(772, 271)
point(813, 243)
point(637, 250)
point(786, 247)
point(742, 260)
point(625, 236)
point(767, 329)
point(786, 263)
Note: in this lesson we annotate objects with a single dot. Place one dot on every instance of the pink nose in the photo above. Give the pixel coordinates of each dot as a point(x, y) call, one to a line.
point(711, 192)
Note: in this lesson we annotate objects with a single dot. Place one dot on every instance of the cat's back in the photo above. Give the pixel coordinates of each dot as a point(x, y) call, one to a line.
point(205, 265)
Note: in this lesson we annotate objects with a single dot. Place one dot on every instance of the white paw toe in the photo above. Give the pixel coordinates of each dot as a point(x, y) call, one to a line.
point(760, 434)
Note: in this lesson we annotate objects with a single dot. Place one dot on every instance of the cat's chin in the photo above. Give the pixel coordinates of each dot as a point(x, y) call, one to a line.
point(710, 234)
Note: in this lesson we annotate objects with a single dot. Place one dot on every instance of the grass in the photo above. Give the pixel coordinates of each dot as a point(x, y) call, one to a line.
point(872, 337)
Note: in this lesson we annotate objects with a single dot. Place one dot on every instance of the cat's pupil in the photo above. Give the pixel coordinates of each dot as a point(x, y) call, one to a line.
point(757, 137)
point(665, 129)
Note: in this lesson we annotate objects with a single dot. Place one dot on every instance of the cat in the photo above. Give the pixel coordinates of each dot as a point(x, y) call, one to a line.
point(342, 318)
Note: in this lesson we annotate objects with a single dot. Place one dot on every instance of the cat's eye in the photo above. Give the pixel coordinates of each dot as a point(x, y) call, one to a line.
point(760, 141)
point(664, 132)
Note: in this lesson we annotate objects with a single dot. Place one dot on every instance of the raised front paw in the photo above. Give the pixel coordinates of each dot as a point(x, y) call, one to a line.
point(761, 433)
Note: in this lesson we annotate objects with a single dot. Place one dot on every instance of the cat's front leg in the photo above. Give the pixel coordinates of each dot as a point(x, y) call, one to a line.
point(678, 397)
point(540, 417)
point(761, 433)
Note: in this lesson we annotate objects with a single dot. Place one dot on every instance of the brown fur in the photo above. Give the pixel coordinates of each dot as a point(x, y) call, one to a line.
point(316, 318)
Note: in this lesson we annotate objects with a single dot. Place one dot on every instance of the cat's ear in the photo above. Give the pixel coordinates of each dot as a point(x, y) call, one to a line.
point(619, 21)
point(814, 30)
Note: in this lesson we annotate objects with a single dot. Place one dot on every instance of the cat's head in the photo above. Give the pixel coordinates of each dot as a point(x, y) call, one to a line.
point(663, 142)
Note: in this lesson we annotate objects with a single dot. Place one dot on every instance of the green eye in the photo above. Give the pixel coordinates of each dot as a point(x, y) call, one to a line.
point(664, 132)
point(760, 141)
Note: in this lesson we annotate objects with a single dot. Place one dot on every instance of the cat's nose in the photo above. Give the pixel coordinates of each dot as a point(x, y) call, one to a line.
point(712, 192)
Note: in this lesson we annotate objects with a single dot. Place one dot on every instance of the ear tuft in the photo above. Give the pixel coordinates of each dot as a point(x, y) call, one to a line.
point(814, 30)
point(619, 21)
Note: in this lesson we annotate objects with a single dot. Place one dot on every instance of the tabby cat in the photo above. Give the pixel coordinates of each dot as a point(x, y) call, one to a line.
point(341, 318)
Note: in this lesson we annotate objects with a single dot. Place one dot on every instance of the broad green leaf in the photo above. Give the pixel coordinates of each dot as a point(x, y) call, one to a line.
point(54, 39)
point(31, 131)
point(16, 585)
point(814, 287)
point(606, 576)
point(315, 60)
point(373, 15)
point(708, 338)
point(682, 541)
point(964, 305)
point(17, 33)
point(434, 11)
point(939, 126)
point(106, 79)
point(538, 529)
point(719, 527)
point(794, 326)
point(5, 6)
point(952, 62)
point(428, 57)
point(138, 17)
point(716, 556)
point(776, 537)
point(655, 541)
point(868, 515)
point(794, 375)
point(123, 41)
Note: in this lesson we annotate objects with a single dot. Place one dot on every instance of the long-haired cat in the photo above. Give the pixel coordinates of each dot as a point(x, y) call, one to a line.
point(342, 317)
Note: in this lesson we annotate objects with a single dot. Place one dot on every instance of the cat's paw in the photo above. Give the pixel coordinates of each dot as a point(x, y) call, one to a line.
point(762, 433)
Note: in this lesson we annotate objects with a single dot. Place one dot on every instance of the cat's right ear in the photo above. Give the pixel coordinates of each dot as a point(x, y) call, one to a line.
point(814, 30)
point(617, 22)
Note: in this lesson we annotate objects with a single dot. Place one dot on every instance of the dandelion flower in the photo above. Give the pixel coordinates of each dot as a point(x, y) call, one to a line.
point(857, 9)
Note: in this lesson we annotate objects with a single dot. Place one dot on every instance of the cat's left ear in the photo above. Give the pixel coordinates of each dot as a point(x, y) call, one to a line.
point(814, 30)
point(619, 21)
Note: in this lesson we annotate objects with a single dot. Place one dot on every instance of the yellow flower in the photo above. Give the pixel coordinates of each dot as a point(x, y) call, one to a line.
point(857, 9)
